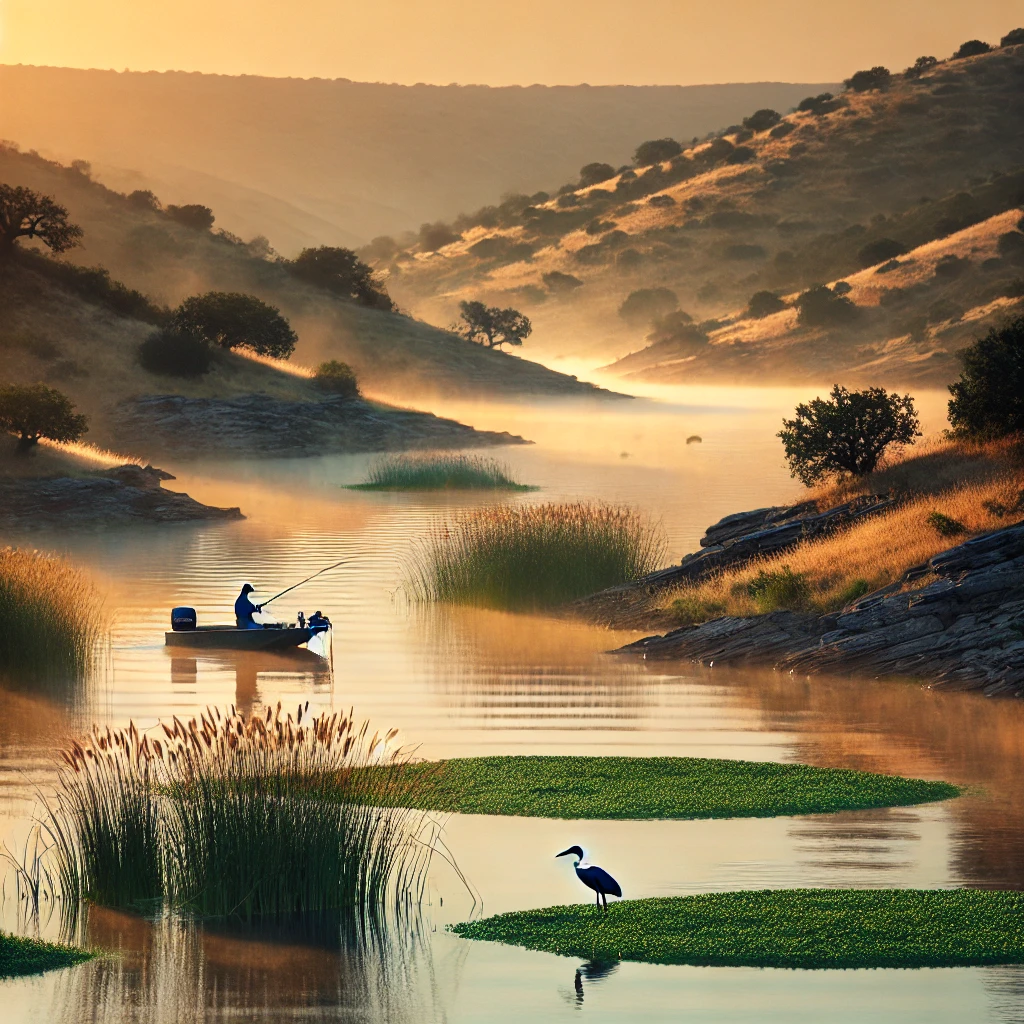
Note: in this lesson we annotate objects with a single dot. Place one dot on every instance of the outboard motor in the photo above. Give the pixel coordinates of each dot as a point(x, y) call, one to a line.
point(183, 619)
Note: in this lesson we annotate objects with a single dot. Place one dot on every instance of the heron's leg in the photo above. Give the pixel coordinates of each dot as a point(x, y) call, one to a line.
point(598, 899)
point(604, 899)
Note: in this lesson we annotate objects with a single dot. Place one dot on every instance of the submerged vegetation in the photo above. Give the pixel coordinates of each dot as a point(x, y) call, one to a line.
point(795, 928)
point(20, 956)
point(438, 473)
point(654, 787)
point(50, 615)
point(240, 817)
point(527, 557)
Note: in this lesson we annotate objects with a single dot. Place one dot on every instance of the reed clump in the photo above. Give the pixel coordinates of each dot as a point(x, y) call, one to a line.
point(439, 472)
point(528, 557)
point(50, 615)
point(231, 816)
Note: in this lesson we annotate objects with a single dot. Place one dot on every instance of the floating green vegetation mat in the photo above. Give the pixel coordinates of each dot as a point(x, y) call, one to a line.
point(20, 956)
point(654, 787)
point(439, 473)
point(806, 928)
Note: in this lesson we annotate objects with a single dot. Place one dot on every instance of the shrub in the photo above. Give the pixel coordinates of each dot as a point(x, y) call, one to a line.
point(341, 272)
point(661, 200)
point(880, 250)
point(33, 411)
point(595, 173)
point(599, 227)
point(944, 526)
point(656, 151)
point(192, 215)
point(876, 78)
point(1010, 246)
point(823, 103)
point(950, 267)
point(678, 330)
point(233, 320)
point(764, 303)
point(972, 48)
point(819, 306)
point(144, 199)
point(558, 283)
point(762, 120)
point(740, 155)
point(525, 557)
point(847, 433)
point(842, 288)
point(628, 259)
point(988, 399)
point(644, 304)
point(175, 353)
point(780, 131)
point(780, 589)
point(920, 66)
point(719, 149)
point(853, 591)
point(438, 473)
point(437, 236)
point(1013, 38)
point(691, 610)
point(338, 378)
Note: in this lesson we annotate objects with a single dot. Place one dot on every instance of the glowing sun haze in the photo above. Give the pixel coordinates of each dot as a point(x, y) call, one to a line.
point(499, 42)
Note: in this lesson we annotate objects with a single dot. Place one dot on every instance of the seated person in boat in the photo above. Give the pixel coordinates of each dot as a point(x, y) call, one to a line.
point(244, 609)
point(319, 621)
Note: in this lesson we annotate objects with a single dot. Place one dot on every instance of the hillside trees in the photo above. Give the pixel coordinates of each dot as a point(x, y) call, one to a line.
point(876, 78)
point(593, 174)
point(847, 433)
point(341, 271)
point(764, 303)
point(233, 320)
point(33, 411)
point(821, 306)
point(174, 353)
point(492, 326)
point(192, 215)
point(972, 48)
point(28, 214)
point(988, 399)
point(656, 151)
point(646, 304)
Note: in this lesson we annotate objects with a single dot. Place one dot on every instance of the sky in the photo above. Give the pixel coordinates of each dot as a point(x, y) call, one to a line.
point(499, 42)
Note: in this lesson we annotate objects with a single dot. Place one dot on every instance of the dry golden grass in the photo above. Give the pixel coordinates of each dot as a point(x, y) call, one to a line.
point(978, 486)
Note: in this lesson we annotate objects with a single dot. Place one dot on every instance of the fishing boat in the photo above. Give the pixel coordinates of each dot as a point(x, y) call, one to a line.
point(276, 636)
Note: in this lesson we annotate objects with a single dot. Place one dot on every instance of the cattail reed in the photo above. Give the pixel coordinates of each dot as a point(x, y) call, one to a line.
point(50, 615)
point(234, 816)
point(438, 472)
point(524, 557)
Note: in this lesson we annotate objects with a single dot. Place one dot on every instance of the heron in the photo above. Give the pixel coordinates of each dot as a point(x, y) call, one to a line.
point(592, 876)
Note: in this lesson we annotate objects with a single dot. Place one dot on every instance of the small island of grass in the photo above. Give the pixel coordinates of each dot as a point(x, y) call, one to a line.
point(794, 928)
point(439, 473)
point(20, 956)
point(654, 787)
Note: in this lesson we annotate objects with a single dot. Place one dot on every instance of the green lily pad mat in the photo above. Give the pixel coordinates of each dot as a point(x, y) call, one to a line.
point(653, 787)
point(20, 956)
point(804, 928)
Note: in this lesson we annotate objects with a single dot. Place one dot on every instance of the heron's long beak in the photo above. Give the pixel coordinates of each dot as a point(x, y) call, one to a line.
point(564, 852)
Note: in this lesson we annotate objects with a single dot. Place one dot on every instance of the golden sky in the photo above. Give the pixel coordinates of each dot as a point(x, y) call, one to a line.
point(499, 42)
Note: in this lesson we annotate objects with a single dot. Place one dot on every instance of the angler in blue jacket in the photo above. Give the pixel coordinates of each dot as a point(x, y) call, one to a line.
point(244, 609)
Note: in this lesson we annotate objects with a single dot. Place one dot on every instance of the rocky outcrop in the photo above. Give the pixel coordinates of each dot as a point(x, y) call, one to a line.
point(732, 541)
point(125, 494)
point(956, 621)
point(260, 425)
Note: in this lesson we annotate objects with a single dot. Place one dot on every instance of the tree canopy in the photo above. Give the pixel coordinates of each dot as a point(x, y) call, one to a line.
point(192, 215)
point(339, 270)
point(988, 399)
point(233, 320)
point(847, 433)
point(33, 411)
point(593, 174)
point(28, 214)
point(656, 151)
point(492, 326)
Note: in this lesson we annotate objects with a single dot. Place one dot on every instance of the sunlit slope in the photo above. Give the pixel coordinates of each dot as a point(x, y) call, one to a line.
point(779, 209)
point(352, 159)
point(168, 261)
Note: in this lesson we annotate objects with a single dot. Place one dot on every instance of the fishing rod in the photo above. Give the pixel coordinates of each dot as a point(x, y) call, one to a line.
point(306, 580)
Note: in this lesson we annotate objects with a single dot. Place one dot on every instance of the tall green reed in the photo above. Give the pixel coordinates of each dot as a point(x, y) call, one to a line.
point(50, 615)
point(250, 817)
point(523, 557)
point(438, 472)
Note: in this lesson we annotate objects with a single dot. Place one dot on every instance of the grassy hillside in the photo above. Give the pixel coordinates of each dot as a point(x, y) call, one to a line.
point(168, 261)
point(336, 162)
point(934, 163)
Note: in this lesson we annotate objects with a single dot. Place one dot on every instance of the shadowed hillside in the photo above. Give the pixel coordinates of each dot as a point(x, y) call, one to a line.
point(310, 162)
point(904, 188)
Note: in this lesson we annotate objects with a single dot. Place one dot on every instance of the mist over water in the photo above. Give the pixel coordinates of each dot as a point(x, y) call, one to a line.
point(461, 682)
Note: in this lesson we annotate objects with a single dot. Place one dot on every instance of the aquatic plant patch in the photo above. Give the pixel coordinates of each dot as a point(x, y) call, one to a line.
point(528, 557)
point(801, 928)
point(439, 473)
point(20, 956)
point(654, 787)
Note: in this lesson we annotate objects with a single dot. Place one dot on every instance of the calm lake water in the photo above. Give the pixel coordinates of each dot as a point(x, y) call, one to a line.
point(460, 682)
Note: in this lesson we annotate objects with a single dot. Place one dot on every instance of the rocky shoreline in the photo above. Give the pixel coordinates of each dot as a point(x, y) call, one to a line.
point(125, 494)
point(956, 621)
point(259, 425)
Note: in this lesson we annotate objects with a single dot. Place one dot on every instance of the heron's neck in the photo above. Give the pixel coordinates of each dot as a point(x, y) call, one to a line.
point(584, 863)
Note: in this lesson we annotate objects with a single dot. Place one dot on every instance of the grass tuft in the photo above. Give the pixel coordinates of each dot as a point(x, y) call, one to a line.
point(439, 473)
point(527, 557)
point(944, 525)
point(654, 787)
point(20, 956)
point(50, 615)
point(237, 817)
point(795, 928)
